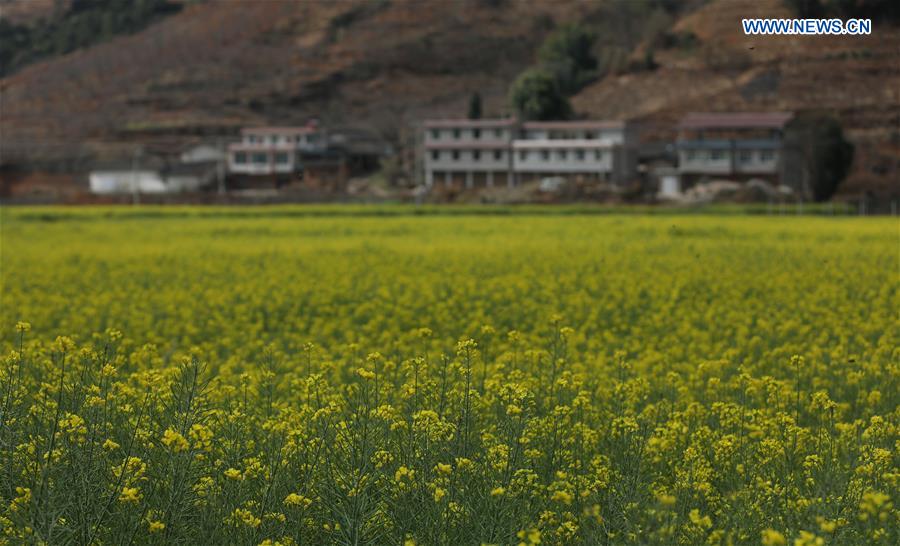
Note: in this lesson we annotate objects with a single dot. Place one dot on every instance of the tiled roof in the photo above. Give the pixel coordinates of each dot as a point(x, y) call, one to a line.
point(579, 124)
point(278, 130)
point(465, 123)
point(735, 120)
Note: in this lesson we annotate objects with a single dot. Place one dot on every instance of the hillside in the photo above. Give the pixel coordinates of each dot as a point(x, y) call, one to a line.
point(213, 67)
point(217, 66)
point(854, 78)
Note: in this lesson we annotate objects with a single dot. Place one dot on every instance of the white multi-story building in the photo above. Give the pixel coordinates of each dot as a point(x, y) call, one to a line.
point(488, 152)
point(733, 145)
point(274, 150)
point(474, 151)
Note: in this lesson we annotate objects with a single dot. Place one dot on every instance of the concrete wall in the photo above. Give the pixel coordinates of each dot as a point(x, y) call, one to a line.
point(112, 182)
point(563, 160)
point(612, 134)
point(719, 162)
point(263, 162)
point(467, 134)
point(467, 160)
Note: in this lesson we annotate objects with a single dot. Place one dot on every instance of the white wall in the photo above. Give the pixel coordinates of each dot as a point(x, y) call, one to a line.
point(756, 163)
point(535, 161)
point(269, 166)
point(183, 183)
point(112, 182)
point(467, 134)
point(614, 135)
point(200, 154)
point(467, 161)
point(669, 186)
point(702, 161)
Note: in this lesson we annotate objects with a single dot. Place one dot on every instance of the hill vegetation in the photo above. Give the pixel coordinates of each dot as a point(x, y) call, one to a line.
point(82, 24)
point(207, 69)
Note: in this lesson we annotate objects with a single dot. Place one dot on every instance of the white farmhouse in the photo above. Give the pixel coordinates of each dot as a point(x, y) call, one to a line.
point(274, 150)
point(733, 145)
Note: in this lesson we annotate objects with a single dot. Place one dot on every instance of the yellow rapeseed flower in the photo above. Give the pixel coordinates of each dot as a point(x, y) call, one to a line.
point(130, 495)
point(771, 537)
point(175, 441)
point(562, 496)
point(295, 499)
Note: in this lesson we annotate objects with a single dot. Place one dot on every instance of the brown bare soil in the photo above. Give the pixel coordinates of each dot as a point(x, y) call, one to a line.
point(217, 66)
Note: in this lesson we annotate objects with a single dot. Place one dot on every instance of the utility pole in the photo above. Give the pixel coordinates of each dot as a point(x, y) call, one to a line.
point(135, 191)
point(220, 166)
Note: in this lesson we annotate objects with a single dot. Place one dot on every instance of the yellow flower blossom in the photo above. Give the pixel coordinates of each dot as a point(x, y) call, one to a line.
point(130, 495)
point(771, 537)
point(175, 441)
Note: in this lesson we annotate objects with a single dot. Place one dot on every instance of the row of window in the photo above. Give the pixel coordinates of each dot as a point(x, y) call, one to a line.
point(499, 133)
point(457, 133)
point(241, 158)
point(744, 156)
point(524, 155)
point(275, 139)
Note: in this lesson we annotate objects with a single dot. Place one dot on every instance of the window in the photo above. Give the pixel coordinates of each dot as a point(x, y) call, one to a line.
point(273, 139)
point(545, 155)
point(476, 155)
point(455, 155)
point(523, 155)
point(240, 158)
point(498, 133)
point(746, 156)
point(476, 133)
point(456, 134)
point(435, 134)
point(716, 155)
point(562, 154)
point(579, 155)
point(498, 155)
point(260, 159)
point(281, 158)
point(691, 155)
point(435, 155)
point(598, 155)
point(767, 155)
point(588, 135)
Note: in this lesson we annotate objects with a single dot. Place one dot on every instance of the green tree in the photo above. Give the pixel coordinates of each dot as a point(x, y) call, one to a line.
point(536, 95)
point(568, 54)
point(475, 106)
point(76, 24)
point(818, 153)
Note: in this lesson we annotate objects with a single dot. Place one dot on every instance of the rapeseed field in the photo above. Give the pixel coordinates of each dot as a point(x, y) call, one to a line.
point(272, 376)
